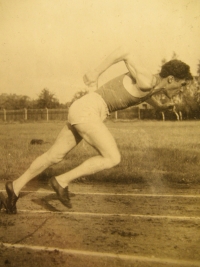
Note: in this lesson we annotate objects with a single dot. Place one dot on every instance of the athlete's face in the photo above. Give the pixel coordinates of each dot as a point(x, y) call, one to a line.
point(174, 86)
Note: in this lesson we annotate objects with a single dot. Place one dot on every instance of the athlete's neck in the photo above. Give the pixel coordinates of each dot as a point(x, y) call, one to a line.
point(158, 83)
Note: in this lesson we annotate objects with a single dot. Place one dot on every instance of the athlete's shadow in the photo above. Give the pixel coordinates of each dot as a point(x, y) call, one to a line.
point(44, 202)
point(3, 199)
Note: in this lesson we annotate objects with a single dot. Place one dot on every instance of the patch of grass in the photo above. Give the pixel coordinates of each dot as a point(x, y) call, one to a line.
point(151, 151)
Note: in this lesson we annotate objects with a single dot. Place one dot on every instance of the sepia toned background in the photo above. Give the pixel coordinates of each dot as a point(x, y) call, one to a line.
point(51, 44)
point(145, 211)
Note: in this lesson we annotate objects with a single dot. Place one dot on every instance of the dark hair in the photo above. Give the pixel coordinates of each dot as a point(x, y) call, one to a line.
point(176, 68)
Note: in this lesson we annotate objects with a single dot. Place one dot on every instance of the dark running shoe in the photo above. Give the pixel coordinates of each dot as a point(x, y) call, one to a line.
point(62, 193)
point(11, 200)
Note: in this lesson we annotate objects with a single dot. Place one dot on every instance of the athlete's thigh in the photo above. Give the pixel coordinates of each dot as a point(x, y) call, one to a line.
point(67, 139)
point(98, 136)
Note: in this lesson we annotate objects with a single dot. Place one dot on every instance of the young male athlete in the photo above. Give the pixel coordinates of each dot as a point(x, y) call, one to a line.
point(86, 116)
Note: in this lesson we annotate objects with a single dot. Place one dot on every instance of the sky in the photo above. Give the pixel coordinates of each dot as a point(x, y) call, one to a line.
point(53, 43)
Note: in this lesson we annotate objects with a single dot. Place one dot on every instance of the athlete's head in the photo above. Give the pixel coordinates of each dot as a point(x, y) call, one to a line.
point(176, 75)
point(177, 69)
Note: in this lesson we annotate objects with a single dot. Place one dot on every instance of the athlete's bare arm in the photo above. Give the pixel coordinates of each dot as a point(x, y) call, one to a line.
point(154, 102)
point(143, 77)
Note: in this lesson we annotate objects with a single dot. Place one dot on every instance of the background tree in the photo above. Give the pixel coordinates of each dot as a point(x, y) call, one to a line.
point(187, 102)
point(163, 61)
point(47, 100)
point(13, 101)
point(198, 72)
point(174, 56)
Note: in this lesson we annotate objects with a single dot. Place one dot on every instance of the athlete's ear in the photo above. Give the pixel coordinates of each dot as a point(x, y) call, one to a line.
point(170, 79)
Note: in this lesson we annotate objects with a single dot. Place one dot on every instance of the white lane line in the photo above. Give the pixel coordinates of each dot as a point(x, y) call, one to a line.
point(114, 194)
point(108, 255)
point(137, 195)
point(171, 217)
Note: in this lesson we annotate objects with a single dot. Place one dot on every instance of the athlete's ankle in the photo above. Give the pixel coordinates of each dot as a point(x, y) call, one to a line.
point(61, 183)
point(16, 191)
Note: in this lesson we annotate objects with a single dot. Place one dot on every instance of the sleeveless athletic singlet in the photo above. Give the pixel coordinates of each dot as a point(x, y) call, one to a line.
point(117, 97)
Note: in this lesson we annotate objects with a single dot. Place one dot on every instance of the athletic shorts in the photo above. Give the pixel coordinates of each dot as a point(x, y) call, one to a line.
point(89, 108)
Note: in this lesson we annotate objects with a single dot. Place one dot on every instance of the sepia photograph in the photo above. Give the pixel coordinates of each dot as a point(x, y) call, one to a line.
point(100, 133)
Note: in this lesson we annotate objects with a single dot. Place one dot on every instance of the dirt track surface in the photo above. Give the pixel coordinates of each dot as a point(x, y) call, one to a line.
point(108, 225)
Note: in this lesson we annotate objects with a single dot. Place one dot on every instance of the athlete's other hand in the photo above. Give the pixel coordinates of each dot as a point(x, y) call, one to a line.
point(170, 105)
point(91, 78)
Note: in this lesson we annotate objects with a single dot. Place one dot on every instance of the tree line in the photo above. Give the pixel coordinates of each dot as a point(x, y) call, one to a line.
point(187, 102)
point(46, 99)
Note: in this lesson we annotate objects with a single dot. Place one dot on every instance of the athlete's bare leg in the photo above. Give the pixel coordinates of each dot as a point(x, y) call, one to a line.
point(98, 136)
point(65, 141)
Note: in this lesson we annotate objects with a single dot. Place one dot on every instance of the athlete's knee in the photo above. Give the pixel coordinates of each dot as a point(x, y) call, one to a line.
point(115, 159)
point(40, 163)
point(54, 157)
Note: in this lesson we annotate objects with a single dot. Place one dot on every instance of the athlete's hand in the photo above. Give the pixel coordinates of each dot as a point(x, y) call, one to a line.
point(170, 105)
point(91, 78)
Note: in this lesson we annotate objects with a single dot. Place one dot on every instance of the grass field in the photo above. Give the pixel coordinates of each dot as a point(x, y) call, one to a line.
point(144, 212)
point(152, 151)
